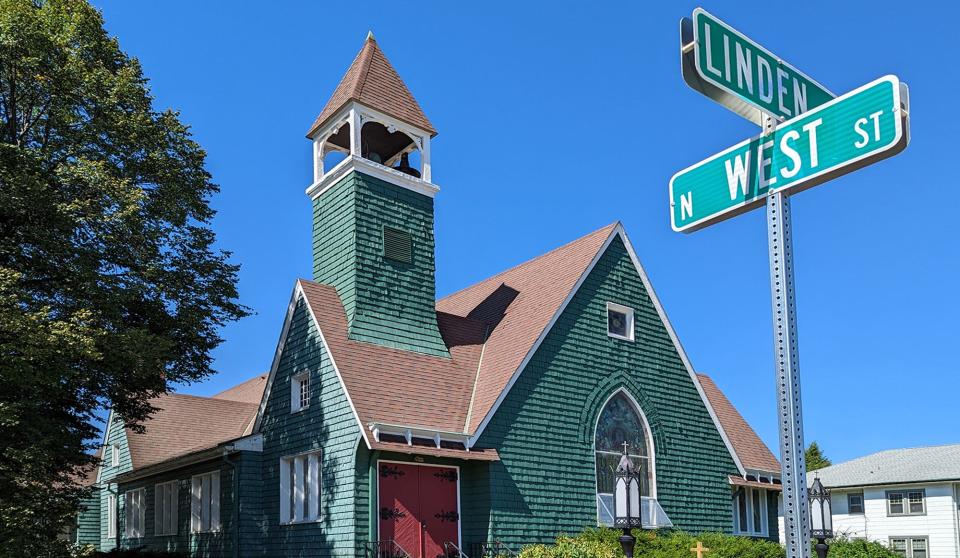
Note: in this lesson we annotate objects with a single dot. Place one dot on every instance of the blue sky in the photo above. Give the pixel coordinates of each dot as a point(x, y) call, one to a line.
point(559, 118)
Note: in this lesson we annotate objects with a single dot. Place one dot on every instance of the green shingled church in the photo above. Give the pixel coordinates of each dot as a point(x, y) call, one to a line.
point(395, 424)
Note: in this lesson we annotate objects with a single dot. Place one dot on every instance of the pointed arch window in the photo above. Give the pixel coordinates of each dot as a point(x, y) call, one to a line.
point(620, 421)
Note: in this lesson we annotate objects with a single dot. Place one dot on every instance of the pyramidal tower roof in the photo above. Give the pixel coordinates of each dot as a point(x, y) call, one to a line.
point(372, 81)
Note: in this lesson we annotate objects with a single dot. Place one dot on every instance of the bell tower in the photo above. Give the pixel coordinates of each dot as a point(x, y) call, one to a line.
point(372, 201)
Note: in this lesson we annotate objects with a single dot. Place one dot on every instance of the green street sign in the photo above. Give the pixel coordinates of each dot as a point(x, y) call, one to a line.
point(729, 60)
point(862, 127)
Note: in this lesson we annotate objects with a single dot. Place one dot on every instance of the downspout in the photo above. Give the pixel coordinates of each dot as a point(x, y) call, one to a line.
point(236, 503)
point(373, 496)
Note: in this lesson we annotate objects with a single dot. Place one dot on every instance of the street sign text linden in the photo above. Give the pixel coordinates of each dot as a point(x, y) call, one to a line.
point(731, 61)
point(849, 132)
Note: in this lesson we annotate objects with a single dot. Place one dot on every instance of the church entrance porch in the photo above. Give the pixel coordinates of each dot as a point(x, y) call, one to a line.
point(418, 507)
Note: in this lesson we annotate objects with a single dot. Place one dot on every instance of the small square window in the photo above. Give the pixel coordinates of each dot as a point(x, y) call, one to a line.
point(855, 503)
point(299, 392)
point(619, 321)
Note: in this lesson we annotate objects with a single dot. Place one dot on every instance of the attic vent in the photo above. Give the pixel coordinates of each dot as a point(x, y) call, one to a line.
point(397, 245)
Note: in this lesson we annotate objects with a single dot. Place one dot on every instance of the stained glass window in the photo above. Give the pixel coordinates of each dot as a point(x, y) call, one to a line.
point(619, 422)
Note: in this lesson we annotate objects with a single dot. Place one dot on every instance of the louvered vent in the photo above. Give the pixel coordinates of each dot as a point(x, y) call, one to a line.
point(397, 245)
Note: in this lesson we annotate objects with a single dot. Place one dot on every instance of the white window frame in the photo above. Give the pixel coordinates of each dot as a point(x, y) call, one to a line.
point(134, 513)
point(114, 455)
point(862, 503)
point(166, 498)
point(297, 382)
point(909, 544)
point(905, 502)
point(300, 488)
point(205, 502)
point(626, 310)
point(111, 516)
point(748, 493)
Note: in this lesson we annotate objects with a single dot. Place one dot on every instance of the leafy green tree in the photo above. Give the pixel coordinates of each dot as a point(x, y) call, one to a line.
point(111, 288)
point(815, 458)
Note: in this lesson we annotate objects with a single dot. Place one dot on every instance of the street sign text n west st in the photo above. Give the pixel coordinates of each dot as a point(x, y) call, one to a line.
point(852, 131)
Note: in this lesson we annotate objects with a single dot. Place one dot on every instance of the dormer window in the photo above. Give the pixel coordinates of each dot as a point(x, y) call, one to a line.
point(299, 392)
point(619, 321)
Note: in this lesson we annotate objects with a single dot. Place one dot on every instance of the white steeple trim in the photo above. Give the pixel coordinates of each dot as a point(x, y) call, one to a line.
point(376, 170)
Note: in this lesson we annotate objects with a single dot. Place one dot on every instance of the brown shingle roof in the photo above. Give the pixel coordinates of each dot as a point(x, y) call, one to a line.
point(751, 450)
point(510, 310)
point(371, 80)
point(185, 423)
point(394, 386)
point(250, 391)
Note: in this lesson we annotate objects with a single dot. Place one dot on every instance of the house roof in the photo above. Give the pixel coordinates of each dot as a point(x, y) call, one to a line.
point(896, 466)
point(751, 450)
point(184, 424)
point(500, 318)
point(372, 81)
point(250, 391)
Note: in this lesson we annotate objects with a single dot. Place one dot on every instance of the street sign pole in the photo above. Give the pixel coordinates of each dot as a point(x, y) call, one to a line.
point(787, 358)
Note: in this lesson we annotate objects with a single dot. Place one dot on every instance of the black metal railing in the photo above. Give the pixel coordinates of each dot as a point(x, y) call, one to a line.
point(492, 549)
point(383, 549)
point(451, 550)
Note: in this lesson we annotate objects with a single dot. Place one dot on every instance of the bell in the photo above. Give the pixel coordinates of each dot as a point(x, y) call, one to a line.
point(405, 167)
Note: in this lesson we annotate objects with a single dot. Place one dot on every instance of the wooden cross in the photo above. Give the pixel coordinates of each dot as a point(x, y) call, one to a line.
point(699, 549)
point(625, 446)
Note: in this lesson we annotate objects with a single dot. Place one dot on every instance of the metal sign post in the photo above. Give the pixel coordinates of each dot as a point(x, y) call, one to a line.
point(787, 357)
point(824, 138)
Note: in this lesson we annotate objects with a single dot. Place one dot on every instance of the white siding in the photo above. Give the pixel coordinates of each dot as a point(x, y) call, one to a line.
point(941, 524)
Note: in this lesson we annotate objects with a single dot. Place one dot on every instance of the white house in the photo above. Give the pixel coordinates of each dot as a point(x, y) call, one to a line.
point(908, 499)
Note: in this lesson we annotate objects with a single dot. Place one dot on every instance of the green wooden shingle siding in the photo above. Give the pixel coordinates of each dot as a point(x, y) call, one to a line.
point(217, 544)
point(544, 428)
point(88, 521)
point(116, 434)
point(388, 302)
point(327, 424)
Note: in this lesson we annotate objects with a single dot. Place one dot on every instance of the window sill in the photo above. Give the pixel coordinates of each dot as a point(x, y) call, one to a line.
point(302, 521)
point(621, 337)
point(300, 410)
point(210, 532)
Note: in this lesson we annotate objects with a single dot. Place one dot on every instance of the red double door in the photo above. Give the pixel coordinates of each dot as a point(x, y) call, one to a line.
point(417, 507)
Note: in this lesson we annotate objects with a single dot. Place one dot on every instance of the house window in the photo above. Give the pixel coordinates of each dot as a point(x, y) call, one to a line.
point(205, 502)
point(906, 502)
point(619, 321)
point(750, 512)
point(300, 488)
point(166, 500)
point(115, 455)
point(909, 547)
point(299, 392)
point(111, 516)
point(133, 513)
point(620, 421)
point(855, 503)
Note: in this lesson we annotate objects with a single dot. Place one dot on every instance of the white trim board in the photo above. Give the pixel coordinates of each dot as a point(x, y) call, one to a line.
point(617, 231)
point(297, 294)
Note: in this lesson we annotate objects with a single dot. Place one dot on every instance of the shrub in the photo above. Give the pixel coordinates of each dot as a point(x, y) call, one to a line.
point(849, 548)
point(605, 543)
point(138, 553)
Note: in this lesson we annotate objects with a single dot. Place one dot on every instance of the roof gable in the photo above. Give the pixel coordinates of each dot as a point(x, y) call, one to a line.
point(372, 81)
point(519, 304)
